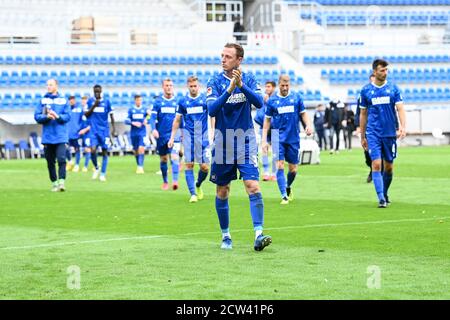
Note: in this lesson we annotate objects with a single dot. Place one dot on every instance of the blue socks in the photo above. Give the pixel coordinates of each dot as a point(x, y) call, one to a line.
point(77, 157)
point(104, 164)
point(87, 158)
point(163, 166)
point(257, 210)
point(68, 154)
point(265, 162)
point(223, 212)
point(140, 160)
point(281, 179)
point(189, 173)
point(290, 178)
point(201, 177)
point(387, 179)
point(377, 179)
point(94, 160)
point(175, 170)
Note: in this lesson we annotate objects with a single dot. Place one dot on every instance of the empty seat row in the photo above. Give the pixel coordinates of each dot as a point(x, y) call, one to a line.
point(398, 75)
point(382, 2)
point(386, 18)
point(444, 58)
point(119, 99)
point(126, 60)
point(121, 78)
point(417, 95)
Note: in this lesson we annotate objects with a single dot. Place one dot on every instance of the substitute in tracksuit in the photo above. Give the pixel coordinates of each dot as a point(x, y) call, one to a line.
point(53, 112)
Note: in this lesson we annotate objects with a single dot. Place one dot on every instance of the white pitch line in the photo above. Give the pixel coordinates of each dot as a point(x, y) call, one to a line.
point(61, 244)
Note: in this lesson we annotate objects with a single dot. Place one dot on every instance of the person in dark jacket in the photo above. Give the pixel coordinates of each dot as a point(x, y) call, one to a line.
point(349, 127)
point(53, 112)
point(319, 126)
point(334, 116)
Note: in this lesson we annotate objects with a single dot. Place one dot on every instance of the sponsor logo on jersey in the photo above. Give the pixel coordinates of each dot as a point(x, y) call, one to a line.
point(99, 109)
point(167, 110)
point(381, 100)
point(194, 110)
point(285, 109)
point(138, 116)
point(237, 98)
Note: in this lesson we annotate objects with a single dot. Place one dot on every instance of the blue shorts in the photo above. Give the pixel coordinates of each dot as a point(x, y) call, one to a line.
point(86, 140)
point(223, 174)
point(137, 141)
point(287, 152)
point(382, 148)
point(161, 147)
point(74, 143)
point(196, 153)
point(100, 140)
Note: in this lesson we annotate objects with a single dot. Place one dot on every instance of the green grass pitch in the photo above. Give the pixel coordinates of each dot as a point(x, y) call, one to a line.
point(131, 240)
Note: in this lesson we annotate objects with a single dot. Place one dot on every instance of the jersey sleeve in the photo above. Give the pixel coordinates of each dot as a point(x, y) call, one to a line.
point(212, 92)
point(301, 105)
point(363, 103)
point(110, 107)
point(181, 109)
point(397, 95)
point(253, 84)
point(269, 109)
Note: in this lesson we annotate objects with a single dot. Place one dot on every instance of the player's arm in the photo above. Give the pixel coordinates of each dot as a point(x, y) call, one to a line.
point(402, 119)
point(113, 125)
point(255, 98)
point(307, 122)
point(40, 114)
point(64, 116)
point(363, 125)
point(215, 102)
point(152, 122)
point(91, 108)
point(175, 126)
point(265, 130)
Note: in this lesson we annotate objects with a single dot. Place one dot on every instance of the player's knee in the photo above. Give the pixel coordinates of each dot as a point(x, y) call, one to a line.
point(204, 167)
point(376, 165)
point(252, 186)
point(388, 167)
point(222, 192)
point(189, 166)
point(280, 164)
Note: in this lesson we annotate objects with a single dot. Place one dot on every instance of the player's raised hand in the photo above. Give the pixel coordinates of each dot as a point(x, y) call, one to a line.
point(401, 133)
point(155, 134)
point(232, 85)
point(237, 75)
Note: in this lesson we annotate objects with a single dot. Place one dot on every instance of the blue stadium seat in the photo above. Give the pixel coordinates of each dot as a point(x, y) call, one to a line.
point(121, 60)
point(173, 60)
point(137, 78)
point(140, 60)
point(85, 60)
point(112, 60)
point(156, 60)
point(9, 60)
point(19, 60)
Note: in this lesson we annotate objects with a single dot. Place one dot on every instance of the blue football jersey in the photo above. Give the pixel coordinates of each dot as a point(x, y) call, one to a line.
point(163, 113)
point(285, 114)
point(99, 118)
point(76, 121)
point(195, 115)
point(380, 104)
point(136, 114)
point(236, 113)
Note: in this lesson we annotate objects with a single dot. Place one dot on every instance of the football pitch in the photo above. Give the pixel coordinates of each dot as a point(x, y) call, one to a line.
point(128, 239)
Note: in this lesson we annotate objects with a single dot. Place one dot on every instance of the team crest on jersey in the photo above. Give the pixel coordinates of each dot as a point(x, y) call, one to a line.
point(208, 91)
